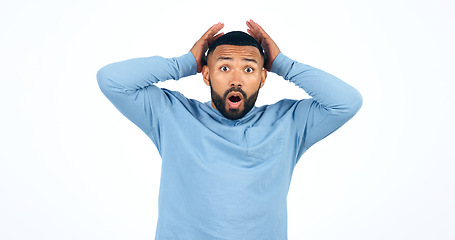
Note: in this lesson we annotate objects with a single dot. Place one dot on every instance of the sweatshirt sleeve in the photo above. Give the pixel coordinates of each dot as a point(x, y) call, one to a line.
point(129, 85)
point(333, 101)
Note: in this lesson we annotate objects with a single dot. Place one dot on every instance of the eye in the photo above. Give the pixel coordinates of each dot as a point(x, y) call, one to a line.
point(249, 70)
point(224, 68)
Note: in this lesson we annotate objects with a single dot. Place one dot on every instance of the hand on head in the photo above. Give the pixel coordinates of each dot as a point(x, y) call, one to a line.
point(269, 46)
point(201, 46)
point(256, 31)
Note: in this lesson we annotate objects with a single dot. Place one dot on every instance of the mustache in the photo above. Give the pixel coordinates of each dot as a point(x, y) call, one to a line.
point(235, 89)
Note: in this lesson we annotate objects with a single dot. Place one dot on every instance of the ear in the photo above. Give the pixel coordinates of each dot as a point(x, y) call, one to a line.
point(206, 75)
point(264, 76)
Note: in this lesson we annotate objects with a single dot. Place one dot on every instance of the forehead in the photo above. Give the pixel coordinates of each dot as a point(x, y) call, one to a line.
point(234, 52)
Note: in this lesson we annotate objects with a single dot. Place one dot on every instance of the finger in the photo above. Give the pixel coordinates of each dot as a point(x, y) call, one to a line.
point(251, 27)
point(215, 29)
point(209, 30)
point(211, 40)
point(254, 31)
point(249, 24)
point(253, 35)
point(256, 25)
point(259, 39)
point(258, 29)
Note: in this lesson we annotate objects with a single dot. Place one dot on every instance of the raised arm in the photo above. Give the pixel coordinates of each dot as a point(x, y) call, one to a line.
point(333, 101)
point(130, 84)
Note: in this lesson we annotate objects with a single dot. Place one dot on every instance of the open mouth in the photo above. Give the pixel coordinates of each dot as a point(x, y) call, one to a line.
point(234, 100)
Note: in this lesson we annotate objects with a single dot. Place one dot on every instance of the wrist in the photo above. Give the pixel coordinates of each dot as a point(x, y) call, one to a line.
point(188, 65)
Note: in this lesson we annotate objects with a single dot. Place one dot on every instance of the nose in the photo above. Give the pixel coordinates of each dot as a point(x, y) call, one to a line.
point(236, 80)
point(235, 84)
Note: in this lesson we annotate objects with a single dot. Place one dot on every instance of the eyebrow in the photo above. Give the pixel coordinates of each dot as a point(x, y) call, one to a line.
point(230, 59)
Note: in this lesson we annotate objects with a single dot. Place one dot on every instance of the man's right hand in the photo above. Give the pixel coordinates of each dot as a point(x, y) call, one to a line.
point(201, 46)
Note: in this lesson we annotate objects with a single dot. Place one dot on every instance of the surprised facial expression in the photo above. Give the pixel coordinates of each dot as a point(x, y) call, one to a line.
point(235, 74)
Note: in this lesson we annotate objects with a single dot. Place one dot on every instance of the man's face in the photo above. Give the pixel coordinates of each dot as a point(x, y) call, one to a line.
point(235, 74)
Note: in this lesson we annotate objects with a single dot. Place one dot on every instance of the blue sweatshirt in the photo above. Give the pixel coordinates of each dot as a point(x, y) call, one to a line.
point(226, 179)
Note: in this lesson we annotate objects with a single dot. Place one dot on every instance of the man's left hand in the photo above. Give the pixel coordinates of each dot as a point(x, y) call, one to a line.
point(269, 46)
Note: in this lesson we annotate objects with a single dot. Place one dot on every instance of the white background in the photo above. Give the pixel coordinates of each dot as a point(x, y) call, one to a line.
point(72, 167)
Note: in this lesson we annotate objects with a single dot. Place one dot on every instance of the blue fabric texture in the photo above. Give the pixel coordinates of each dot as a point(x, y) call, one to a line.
point(223, 179)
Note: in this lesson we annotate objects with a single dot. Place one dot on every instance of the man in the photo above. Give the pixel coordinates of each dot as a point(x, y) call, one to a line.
point(226, 164)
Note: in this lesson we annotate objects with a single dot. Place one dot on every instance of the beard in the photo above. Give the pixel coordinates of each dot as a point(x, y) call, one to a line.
point(233, 114)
